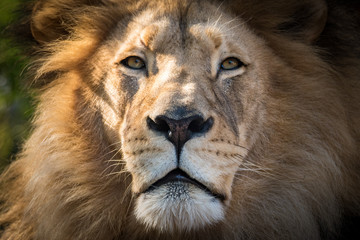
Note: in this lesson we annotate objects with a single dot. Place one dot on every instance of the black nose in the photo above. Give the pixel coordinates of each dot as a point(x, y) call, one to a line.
point(180, 131)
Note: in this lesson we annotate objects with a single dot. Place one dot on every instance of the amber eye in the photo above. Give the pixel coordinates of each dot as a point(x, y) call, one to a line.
point(231, 63)
point(133, 62)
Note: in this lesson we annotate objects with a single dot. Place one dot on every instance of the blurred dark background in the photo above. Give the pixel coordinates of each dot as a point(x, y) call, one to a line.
point(16, 102)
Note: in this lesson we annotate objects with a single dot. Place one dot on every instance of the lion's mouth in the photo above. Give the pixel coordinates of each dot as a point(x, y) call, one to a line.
point(178, 175)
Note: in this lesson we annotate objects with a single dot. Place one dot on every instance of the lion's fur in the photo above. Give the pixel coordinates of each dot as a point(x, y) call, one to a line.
point(299, 123)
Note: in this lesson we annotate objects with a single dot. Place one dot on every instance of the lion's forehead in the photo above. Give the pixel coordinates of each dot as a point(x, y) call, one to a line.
point(201, 27)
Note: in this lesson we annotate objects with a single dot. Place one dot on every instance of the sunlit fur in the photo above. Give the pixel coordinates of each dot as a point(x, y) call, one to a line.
point(283, 150)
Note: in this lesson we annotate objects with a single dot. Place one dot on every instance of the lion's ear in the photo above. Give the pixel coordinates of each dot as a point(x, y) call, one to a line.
point(46, 22)
point(306, 21)
point(52, 19)
point(298, 19)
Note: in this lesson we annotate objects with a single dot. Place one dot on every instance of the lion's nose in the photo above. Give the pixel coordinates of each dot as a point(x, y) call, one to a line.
point(181, 130)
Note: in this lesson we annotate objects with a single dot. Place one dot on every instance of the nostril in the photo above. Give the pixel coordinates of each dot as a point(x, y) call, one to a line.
point(198, 125)
point(159, 125)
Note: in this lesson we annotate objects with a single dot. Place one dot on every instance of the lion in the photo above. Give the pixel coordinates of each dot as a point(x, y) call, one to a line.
point(182, 119)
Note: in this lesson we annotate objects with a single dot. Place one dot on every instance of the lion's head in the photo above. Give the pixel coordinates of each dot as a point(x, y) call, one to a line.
point(208, 119)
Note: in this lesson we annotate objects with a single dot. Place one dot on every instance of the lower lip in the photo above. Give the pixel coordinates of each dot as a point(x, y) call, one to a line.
point(187, 181)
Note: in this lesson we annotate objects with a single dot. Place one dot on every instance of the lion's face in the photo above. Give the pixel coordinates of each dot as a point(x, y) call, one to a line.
point(187, 97)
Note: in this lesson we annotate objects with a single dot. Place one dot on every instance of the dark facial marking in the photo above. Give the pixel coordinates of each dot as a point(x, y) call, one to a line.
point(230, 116)
point(129, 86)
point(183, 22)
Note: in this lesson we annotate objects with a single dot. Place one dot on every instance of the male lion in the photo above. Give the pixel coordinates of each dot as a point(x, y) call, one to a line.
point(190, 120)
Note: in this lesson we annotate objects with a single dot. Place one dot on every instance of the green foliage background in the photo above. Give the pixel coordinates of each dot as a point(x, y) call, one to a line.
point(16, 103)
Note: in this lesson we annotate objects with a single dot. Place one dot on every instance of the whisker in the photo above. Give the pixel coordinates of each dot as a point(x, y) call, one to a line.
point(115, 163)
point(240, 146)
point(217, 21)
point(256, 169)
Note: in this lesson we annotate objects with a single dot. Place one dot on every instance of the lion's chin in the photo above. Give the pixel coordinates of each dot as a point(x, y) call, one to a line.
point(178, 206)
